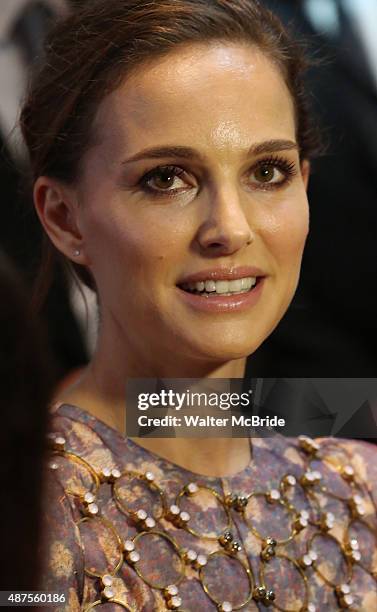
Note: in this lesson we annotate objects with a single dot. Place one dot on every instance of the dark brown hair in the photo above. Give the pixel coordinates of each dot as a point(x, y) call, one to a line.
point(89, 54)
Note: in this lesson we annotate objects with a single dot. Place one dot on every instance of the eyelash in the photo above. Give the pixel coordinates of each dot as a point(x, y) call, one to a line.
point(283, 165)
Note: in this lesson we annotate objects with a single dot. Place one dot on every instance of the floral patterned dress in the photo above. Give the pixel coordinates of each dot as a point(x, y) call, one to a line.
point(125, 529)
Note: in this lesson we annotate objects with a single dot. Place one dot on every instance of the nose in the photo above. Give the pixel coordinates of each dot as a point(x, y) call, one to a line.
point(225, 229)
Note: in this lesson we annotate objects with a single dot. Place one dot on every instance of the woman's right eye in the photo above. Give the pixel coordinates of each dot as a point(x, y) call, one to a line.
point(158, 182)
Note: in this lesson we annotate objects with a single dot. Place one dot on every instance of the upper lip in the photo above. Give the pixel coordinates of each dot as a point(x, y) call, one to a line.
point(222, 274)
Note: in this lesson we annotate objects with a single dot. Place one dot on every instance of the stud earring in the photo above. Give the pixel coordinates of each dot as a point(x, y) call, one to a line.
point(77, 252)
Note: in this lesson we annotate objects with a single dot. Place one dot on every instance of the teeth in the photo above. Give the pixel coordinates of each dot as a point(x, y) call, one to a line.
point(210, 286)
point(247, 283)
point(222, 287)
point(235, 285)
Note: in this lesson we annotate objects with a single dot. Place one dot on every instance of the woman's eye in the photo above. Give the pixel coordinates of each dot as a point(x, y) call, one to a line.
point(268, 174)
point(272, 173)
point(164, 179)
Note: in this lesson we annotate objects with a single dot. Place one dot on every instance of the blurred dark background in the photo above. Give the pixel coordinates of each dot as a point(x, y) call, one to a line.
point(23, 25)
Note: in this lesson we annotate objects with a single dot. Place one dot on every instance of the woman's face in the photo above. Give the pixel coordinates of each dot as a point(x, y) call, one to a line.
point(195, 178)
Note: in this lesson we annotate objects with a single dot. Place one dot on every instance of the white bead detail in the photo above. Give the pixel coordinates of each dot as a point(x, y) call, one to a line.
point(108, 592)
point(191, 555)
point(107, 580)
point(150, 522)
point(134, 556)
point(175, 602)
point(202, 560)
point(291, 480)
point(348, 599)
point(192, 488)
point(348, 470)
point(141, 515)
point(307, 560)
point(171, 590)
point(89, 497)
point(273, 495)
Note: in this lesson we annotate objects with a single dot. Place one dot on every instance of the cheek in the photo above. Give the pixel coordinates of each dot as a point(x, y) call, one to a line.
point(286, 231)
point(144, 248)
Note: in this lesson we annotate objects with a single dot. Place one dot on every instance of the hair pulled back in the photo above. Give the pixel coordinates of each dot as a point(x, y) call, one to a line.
point(89, 54)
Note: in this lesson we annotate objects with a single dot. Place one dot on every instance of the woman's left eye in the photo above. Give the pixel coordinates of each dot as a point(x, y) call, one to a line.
point(268, 174)
point(272, 173)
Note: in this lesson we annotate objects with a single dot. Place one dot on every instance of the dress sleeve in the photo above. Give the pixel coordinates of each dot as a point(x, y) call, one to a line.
point(61, 549)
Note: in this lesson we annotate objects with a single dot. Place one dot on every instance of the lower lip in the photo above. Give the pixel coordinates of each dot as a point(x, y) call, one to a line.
point(226, 303)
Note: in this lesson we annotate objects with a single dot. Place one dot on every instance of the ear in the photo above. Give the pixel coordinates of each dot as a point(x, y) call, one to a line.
point(57, 209)
point(305, 172)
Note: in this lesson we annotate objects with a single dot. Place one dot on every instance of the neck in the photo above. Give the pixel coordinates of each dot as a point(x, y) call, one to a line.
point(101, 391)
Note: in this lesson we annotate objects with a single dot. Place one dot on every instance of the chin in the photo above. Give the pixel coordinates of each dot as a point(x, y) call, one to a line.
point(238, 343)
point(222, 350)
point(225, 340)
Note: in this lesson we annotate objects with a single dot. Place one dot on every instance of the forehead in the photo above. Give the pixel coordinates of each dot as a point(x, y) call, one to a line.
point(214, 98)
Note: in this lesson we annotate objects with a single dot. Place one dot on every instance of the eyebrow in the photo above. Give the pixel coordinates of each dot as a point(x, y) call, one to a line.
point(268, 146)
